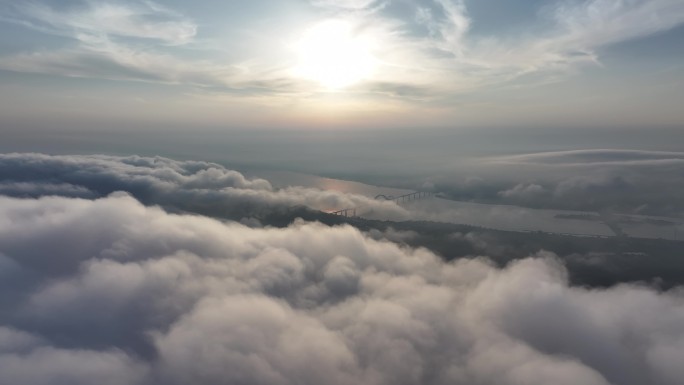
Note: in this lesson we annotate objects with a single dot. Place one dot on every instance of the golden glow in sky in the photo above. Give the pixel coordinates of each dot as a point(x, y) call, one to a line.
point(342, 63)
point(331, 54)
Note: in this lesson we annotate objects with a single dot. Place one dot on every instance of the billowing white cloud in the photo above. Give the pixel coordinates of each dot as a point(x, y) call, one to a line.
point(48, 365)
point(115, 291)
point(626, 181)
point(523, 191)
point(34, 189)
point(201, 187)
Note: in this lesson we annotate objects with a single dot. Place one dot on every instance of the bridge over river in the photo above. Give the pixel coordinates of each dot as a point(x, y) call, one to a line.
point(410, 197)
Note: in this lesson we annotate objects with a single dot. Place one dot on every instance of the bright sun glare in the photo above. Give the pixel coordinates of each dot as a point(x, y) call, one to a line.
point(332, 55)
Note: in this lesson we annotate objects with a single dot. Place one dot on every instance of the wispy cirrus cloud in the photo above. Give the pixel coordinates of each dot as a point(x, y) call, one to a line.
point(573, 33)
point(421, 45)
point(133, 41)
point(594, 23)
point(101, 58)
point(597, 157)
point(136, 19)
point(114, 41)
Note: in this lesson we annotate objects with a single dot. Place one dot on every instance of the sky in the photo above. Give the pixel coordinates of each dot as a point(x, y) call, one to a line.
point(321, 64)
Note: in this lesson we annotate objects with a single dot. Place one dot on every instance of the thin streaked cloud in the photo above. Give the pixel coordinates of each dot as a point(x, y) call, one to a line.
point(420, 53)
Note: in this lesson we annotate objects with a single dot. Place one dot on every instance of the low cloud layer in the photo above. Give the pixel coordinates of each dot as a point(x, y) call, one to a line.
point(199, 187)
point(110, 291)
point(626, 181)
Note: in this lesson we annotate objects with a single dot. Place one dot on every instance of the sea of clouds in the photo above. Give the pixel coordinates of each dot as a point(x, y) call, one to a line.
point(106, 287)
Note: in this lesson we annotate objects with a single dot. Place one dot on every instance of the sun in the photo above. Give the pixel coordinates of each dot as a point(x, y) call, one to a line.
point(331, 54)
